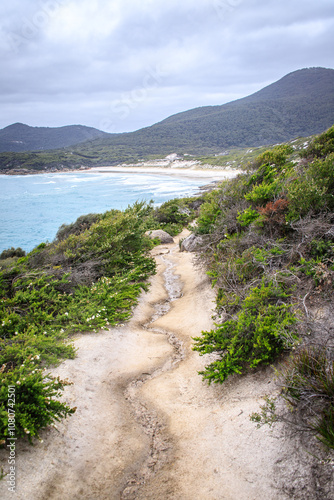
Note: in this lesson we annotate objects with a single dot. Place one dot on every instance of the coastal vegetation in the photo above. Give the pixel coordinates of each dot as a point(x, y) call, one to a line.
point(267, 241)
point(88, 279)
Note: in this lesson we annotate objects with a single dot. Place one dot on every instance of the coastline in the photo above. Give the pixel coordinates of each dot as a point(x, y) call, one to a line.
point(170, 165)
point(189, 172)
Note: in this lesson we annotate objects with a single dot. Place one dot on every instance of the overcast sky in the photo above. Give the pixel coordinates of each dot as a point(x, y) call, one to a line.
point(120, 65)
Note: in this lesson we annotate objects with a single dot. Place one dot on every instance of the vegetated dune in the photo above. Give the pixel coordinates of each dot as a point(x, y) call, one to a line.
point(148, 427)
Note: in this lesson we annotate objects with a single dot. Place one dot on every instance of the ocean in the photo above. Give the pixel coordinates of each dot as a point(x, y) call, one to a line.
point(33, 207)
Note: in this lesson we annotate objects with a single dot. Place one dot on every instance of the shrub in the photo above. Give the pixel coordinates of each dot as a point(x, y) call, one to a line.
point(12, 252)
point(276, 156)
point(247, 217)
point(210, 211)
point(321, 146)
point(263, 328)
point(32, 397)
point(79, 226)
point(262, 193)
point(307, 387)
point(312, 191)
point(173, 212)
point(273, 216)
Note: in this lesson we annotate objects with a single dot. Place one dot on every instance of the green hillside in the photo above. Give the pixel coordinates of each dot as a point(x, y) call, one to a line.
point(19, 137)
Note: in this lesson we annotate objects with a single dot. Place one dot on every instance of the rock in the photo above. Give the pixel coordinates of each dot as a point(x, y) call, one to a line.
point(191, 243)
point(161, 235)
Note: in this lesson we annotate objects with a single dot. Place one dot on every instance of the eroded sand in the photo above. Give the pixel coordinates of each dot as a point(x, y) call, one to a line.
point(147, 426)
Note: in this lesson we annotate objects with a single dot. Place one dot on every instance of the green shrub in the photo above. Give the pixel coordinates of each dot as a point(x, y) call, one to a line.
point(307, 387)
point(247, 217)
point(174, 211)
point(32, 397)
point(79, 226)
point(262, 329)
point(262, 193)
point(321, 146)
point(209, 213)
point(312, 191)
point(12, 252)
point(322, 249)
point(276, 156)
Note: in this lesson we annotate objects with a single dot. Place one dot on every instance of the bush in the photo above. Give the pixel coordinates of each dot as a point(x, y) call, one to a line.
point(262, 193)
point(79, 226)
point(263, 328)
point(248, 216)
point(209, 213)
point(321, 146)
point(307, 387)
point(312, 191)
point(30, 397)
point(276, 157)
point(273, 216)
point(175, 211)
point(12, 252)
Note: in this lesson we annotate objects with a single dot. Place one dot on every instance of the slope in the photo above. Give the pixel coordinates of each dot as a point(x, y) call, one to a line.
point(299, 104)
point(19, 137)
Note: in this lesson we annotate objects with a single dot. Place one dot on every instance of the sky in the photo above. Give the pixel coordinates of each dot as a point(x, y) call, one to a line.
point(120, 65)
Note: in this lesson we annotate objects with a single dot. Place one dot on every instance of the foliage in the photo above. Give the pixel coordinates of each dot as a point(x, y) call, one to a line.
point(262, 329)
point(174, 211)
point(33, 397)
point(262, 193)
point(247, 217)
point(276, 157)
point(268, 414)
point(312, 190)
point(210, 210)
point(321, 146)
point(79, 226)
point(12, 252)
point(88, 279)
point(307, 386)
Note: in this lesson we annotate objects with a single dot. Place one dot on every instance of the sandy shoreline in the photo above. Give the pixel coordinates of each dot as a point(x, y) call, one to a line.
point(189, 172)
point(209, 175)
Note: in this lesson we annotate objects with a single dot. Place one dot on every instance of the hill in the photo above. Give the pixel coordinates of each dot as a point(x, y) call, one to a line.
point(19, 137)
point(298, 105)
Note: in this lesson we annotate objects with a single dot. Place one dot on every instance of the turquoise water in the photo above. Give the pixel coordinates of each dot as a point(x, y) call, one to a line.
point(33, 207)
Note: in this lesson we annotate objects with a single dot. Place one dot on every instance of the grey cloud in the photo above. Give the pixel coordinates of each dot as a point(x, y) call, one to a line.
point(89, 60)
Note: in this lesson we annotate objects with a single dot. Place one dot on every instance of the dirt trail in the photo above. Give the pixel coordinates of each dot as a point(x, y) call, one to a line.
point(147, 426)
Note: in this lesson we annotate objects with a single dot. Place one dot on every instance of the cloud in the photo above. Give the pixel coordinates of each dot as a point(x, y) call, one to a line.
point(124, 65)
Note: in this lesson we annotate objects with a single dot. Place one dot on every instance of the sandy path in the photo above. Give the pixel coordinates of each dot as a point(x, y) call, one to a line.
point(147, 426)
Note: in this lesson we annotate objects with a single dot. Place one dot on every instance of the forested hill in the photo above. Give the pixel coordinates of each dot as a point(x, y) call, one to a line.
point(19, 137)
point(300, 104)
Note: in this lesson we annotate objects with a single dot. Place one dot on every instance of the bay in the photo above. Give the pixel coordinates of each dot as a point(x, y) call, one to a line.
point(33, 207)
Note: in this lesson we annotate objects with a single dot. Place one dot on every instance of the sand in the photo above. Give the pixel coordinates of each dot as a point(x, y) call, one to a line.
point(177, 169)
point(147, 426)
